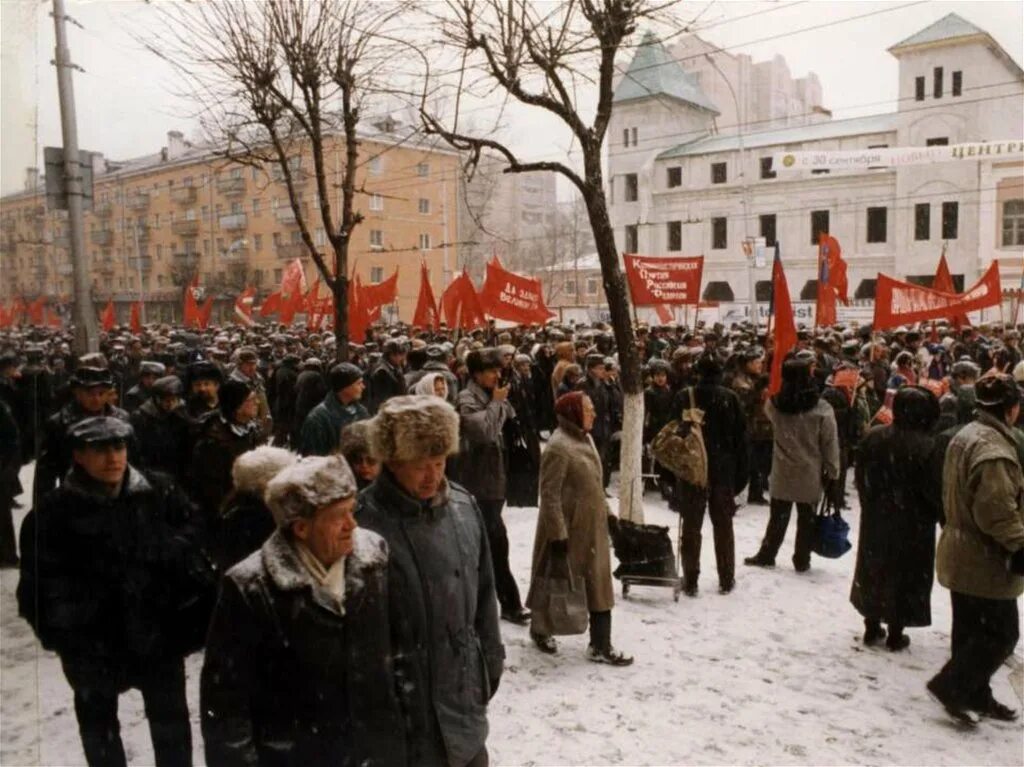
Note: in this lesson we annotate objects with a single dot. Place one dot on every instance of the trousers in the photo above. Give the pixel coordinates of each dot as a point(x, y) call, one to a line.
point(497, 536)
point(721, 506)
point(775, 533)
point(760, 467)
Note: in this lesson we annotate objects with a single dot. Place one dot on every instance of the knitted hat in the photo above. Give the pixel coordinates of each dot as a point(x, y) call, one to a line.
point(412, 427)
point(343, 375)
point(298, 490)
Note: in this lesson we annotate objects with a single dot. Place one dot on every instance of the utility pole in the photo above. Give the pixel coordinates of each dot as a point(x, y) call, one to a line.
point(86, 326)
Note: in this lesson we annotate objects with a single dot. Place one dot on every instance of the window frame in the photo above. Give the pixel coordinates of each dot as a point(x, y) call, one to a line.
point(816, 229)
point(767, 171)
point(674, 177)
point(922, 224)
point(920, 88)
point(631, 190)
point(720, 172)
point(674, 236)
point(950, 220)
point(872, 234)
point(1015, 219)
point(719, 232)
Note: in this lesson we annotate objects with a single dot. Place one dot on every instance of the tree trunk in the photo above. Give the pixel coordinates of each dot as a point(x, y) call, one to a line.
point(339, 287)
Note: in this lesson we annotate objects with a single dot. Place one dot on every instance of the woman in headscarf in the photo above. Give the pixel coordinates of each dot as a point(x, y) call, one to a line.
point(432, 384)
point(572, 526)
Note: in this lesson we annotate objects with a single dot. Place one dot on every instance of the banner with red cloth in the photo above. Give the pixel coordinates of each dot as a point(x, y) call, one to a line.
point(135, 318)
point(461, 304)
point(781, 309)
point(903, 303)
point(35, 310)
point(510, 296)
point(426, 314)
point(243, 307)
point(944, 282)
point(190, 315)
point(654, 281)
point(832, 280)
point(375, 296)
point(108, 317)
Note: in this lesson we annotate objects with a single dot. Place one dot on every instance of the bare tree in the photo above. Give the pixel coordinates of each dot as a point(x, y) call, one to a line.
point(544, 56)
point(279, 81)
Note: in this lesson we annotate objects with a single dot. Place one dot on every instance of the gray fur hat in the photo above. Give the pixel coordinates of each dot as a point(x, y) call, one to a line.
point(254, 469)
point(308, 484)
point(413, 427)
point(355, 439)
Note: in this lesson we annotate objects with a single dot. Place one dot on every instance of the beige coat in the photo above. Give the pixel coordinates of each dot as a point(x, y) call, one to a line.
point(573, 507)
point(982, 492)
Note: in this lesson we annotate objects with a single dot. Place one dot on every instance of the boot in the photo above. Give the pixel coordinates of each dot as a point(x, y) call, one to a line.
point(897, 639)
point(774, 534)
point(546, 644)
point(873, 632)
point(804, 539)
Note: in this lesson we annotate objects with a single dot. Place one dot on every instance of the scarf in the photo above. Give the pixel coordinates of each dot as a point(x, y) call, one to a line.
point(330, 580)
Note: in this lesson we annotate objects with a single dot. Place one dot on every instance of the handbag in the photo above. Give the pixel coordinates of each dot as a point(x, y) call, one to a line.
point(679, 446)
point(831, 531)
point(559, 603)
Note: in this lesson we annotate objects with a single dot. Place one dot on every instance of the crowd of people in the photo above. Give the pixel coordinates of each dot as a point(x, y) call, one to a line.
point(332, 532)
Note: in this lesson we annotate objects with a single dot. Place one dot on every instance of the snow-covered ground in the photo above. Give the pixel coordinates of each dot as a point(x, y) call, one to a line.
point(773, 673)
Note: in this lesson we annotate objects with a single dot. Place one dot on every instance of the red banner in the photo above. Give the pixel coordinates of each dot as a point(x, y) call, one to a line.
point(784, 325)
point(654, 281)
point(944, 282)
point(134, 318)
point(380, 294)
point(107, 317)
point(461, 304)
point(243, 307)
point(426, 315)
point(510, 296)
point(903, 303)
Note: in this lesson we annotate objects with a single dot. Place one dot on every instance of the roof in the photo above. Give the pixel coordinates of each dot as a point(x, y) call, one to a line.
point(949, 27)
point(855, 126)
point(654, 73)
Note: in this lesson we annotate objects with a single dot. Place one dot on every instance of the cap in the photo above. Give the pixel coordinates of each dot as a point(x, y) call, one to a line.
point(99, 430)
point(479, 360)
point(203, 370)
point(90, 377)
point(166, 386)
point(996, 389)
point(343, 375)
point(150, 368)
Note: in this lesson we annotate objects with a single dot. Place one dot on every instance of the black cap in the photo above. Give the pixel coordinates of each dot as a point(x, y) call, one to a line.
point(231, 395)
point(996, 390)
point(479, 360)
point(204, 370)
point(343, 375)
point(594, 360)
point(150, 368)
point(165, 386)
point(100, 430)
point(89, 377)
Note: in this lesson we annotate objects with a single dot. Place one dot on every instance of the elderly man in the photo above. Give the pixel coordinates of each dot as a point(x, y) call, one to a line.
point(149, 372)
point(113, 581)
point(448, 651)
point(299, 668)
point(321, 429)
point(980, 555)
point(247, 362)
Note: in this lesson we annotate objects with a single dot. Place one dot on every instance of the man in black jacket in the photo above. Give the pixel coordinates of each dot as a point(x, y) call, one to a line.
point(594, 387)
point(162, 430)
point(112, 580)
point(725, 439)
point(388, 378)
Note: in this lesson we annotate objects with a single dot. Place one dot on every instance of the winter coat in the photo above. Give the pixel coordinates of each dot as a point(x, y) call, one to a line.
point(725, 434)
point(244, 525)
point(751, 391)
point(982, 494)
point(482, 462)
point(163, 439)
point(321, 431)
point(10, 456)
point(114, 582)
point(289, 677)
point(804, 451)
point(283, 403)
point(310, 390)
point(55, 447)
point(892, 581)
point(522, 444)
point(657, 410)
point(386, 382)
point(220, 443)
point(444, 617)
point(135, 397)
point(264, 420)
point(573, 508)
point(603, 408)
point(35, 396)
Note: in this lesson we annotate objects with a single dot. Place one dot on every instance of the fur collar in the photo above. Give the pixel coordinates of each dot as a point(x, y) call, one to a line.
point(82, 484)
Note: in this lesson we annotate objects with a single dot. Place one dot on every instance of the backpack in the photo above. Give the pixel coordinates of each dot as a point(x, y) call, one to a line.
point(679, 446)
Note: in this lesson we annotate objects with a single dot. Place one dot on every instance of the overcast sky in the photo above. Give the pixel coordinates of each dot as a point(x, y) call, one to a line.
point(125, 95)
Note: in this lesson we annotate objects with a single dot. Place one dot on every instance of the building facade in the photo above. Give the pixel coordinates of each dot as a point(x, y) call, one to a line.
point(157, 221)
point(682, 186)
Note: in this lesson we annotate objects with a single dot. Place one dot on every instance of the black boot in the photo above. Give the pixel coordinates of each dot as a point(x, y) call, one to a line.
point(873, 632)
point(775, 532)
point(897, 639)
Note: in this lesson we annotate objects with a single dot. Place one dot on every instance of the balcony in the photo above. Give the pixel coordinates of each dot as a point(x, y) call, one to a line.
point(142, 264)
point(102, 210)
point(238, 255)
point(102, 237)
point(231, 187)
point(185, 195)
point(286, 215)
point(233, 222)
point(7, 247)
point(290, 250)
point(137, 201)
point(186, 227)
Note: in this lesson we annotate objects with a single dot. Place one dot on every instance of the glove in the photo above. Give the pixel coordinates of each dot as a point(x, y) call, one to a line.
point(559, 547)
point(1017, 562)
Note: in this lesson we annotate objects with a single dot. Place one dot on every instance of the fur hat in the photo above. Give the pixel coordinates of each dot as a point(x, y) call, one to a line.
point(254, 469)
point(413, 427)
point(308, 484)
point(355, 439)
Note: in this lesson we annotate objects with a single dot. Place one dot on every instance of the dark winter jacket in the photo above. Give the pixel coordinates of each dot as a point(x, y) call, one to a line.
point(805, 447)
point(725, 433)
point(134, 398)
point(220, 443)
point(386, 382)
point(603, 409)
point(289, 677)
point(163, 439)
point(896, 543)
point(482, 458)
point(10, 456)
point(113, 581)
point(245, 524)
point(282, 405)
point(35, 396)
point(310, 390)
point(444, 617)
point(321, 430)
point(657, 410)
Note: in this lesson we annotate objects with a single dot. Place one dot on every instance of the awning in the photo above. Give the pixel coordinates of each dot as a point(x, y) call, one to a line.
point(809, 291)
point(865, 290)
point(718, 291)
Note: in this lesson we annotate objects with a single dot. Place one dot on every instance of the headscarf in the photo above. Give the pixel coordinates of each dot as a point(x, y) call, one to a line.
point(570, 407)
point(426, 384)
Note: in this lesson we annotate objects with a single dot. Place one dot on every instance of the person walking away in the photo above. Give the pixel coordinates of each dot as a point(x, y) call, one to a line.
point(725, 439)
point(447, 646)
point(299, 668)
point(283, 404)
point(658, 412)
point(980, 555)
point(163, 430)
point(341, 406)
point(113, 581)
point(750, 384)
point(572, 527)
point(388, 378)
point(483, 410)
point(805, 455)
point(310, 390)
point(892, 582)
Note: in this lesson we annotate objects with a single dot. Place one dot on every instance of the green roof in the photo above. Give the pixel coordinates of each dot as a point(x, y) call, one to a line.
point(653, 73)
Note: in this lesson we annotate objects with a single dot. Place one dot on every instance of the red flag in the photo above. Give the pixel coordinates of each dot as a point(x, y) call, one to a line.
point(425, 315)
point(832, 280)
point(944, 282)
point(663, 313)
point(312, 306)
point(512, 297)
point(654, 281)
point(243, 307)
point(53, 318)
point(903, 303)
point(135, 320)
point(191, 311)
point(293, 291)
point(272, 305)
point(784, 326)
point(376, 296)
point(204, 312)
point(17, 310)
point(461, 304)
point(107, 317)
point(5, 317)
point(35, 310)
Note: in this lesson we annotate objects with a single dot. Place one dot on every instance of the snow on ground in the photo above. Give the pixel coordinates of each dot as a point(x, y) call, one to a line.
point(772, 674)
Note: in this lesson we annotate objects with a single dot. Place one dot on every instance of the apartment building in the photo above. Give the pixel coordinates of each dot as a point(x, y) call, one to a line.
point(157, 221)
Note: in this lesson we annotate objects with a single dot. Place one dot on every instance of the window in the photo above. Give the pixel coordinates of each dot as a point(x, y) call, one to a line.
point(296, 237)
point(376, 274)
point(632, 191)
point(719, 233)
point(592, 285)
point(424, 242)
point(256, 206)
point(236, 208)
point(160, 280)
point(376, 202)
point(633, 136)
point(376, 166)
point(937, 83)
point(277, 239)
point(277, 276)
point(187, 181)
point(937, 141)
point(632, 239)
point(220, 244)
point(766, 168)
point(958, 83)
point(819, 225)
point(1013, 223)
point(675, 177)
point(569, 287)
point(159, 252)
point(423, 169)
point(719, 173)
point(424, 206)
point(877, 224)
point(625, 137)
point(918, 89)
point(922, 221)
point(257, 242)
point(950, 220)
point(675, 235)
point(320, 238)
point(768, 229)
point(376, 239)
point(206, 247)
point(191, 213)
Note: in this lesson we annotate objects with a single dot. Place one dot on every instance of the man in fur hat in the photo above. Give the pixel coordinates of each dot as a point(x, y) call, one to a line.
point(299, 668)
point(448, 651)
